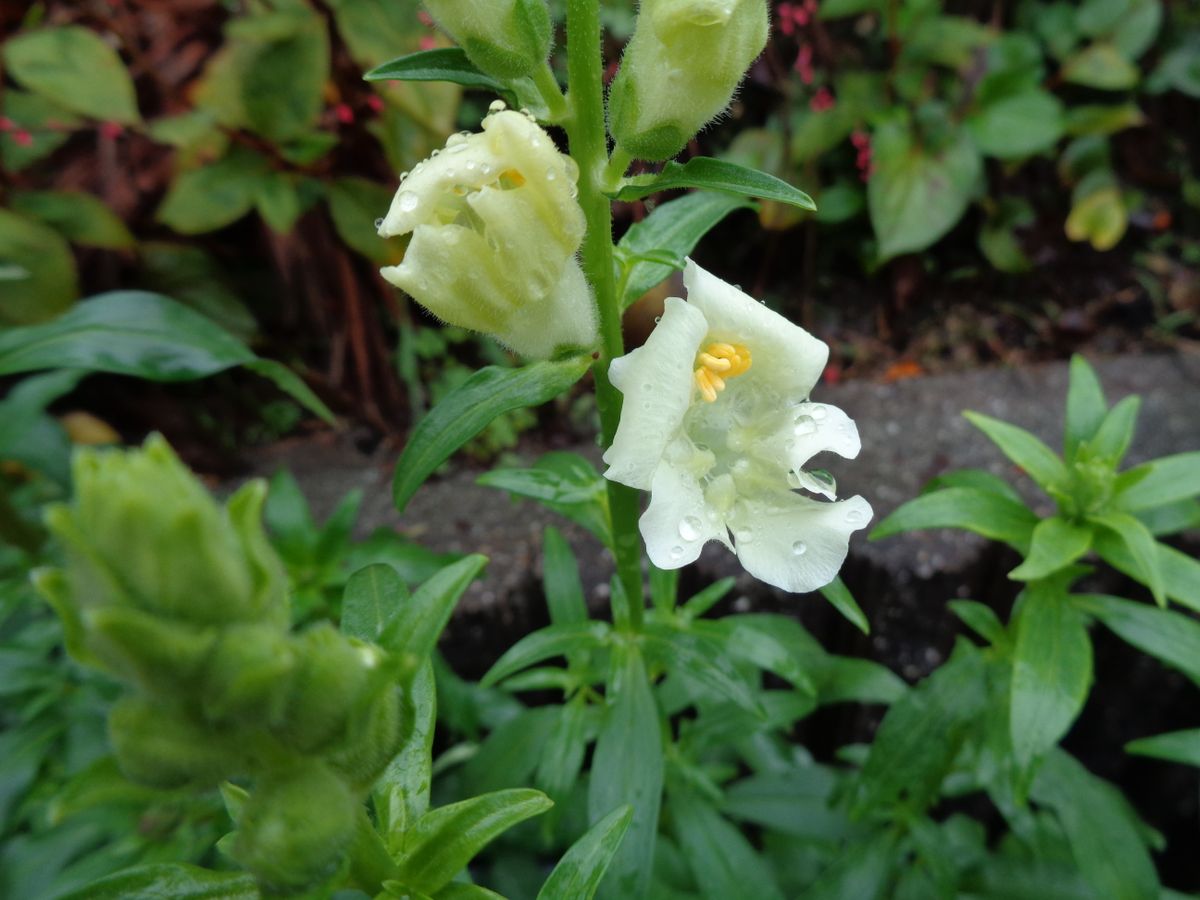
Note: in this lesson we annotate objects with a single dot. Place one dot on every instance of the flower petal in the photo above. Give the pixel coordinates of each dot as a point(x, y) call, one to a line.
point(812, 428)
point(532, 332)
point(784, 355)
point(793, 542)
point(656, 380)
point(678, 522)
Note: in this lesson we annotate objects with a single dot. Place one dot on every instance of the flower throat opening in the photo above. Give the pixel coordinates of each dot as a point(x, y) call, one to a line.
point(717, 362)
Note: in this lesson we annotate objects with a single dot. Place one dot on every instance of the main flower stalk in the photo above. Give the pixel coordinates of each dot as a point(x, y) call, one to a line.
point(589, 147)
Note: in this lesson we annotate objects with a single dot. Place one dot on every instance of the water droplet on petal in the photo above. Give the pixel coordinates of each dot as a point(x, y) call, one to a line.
point(647, 386)
point(378, 224)
point(690, 528)
point(789, 444)
point(676, 552)
point(819, 412)
point(551, 174)
point(657, 319)
point(805, 425)
point(825, 479)
point(799, 548)
point(409, 201)
point(497, 106)
point(854, 516)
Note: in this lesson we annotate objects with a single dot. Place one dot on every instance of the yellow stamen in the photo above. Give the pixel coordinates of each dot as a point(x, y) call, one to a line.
point(717, 363)
point(510, 179)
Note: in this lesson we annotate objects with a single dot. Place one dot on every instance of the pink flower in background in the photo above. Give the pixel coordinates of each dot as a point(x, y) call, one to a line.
point(22, 137)
point(862, 143)
point(344, 113)
point(375, 102)
point(823, 100)
point(804, 64)
point(110, 131)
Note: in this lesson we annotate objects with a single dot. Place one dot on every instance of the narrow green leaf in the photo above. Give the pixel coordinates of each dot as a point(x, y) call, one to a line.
point(413, 633)
point(509, 755)
point(564, 482)
point(560, 580)
point(444, 64)
point(446, 839)
point(292, 385)
point(1115, 433)
point(1175, 746)
point(980, 619)
point(715, 175)
point(862, 872)
point(579, 872)
point(721, 859)
point(627, 770)
point(459, 890)
point(1168, 636)
point(1105, 838)
point(553, 640)
point(178, 881)
point(1052, 670)
point(1141, 545)
point(701, 660)
point(745, 641)
point(1055, 545)
point(1026, 450)
point(562, 753)
point(795, 801)
point(664, 588)
point(1183, 515)
point(373, 597)
point(402, 792)
point(675, 227)
point(1086, 406)
point(973, 478)
point(847, 679)
point(1160, 482)
point(1180, 572)
point(704, 600)
point(470, 407)
point(843, 601)
point(985, 513)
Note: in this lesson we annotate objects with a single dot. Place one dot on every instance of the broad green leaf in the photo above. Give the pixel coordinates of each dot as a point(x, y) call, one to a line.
point(1160, 482)
point(1103, 118)
point(916, 195)
point(278, 201)
point(1180, 572)
point(721, 859)
point(284, 80)
point(998, 235)
point(76, 69)
point(1101, 65)
point(983, 512)
point(676, 227)
point(561, 754)
point(1136, 31)
point(560, 579)
point(48, 124)
point(980, 619)
point(42, 280)
point(402, 792)
point(920, 736)
point(627, 770)
point(79, 217)
point(1024, 449)
point(192, 277)
point(1141, 546)
point(1086, 406)
point(1115, 433)
point(1175, 746)
point(564, 482)
point(701, 660)
point(1170, 637)
point(413, 632)
point(177, 881)
point(1178, 70)
point(1019, 125)
point(374, 596)
point(1055, 545)
point(446, 839)
point(27, 434)
point(1052, 670)
point(214, 195)
point(470, 407)
point(1098, 216)
point(355, 204)
point(553, 640)
point(579, 872)
point(1103, 833)
point(446, 64)
point(720, 175)
point(843, 601)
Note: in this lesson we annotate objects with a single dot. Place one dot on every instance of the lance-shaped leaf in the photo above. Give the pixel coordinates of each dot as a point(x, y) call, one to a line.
point(1086, 406)
point(983, 512)
point(178, 881)
point(715, 175)
point(564, 482)
point(1026, 450)
point(402, 792)
point(1160, 482)
point(1180, 572)
point(470, 408)
point(704, 661)
point(373, 597)
point(1052, 669)
point(553, 640)
point(446, 839)
point(413, 633)
point(442, 64)
point(1115, 433)
point(1055, 545)
point(1174, 746)
point(1168, 636)
point(843, 601)
point(721, 859)
point(579, 872)
point(1141, 545)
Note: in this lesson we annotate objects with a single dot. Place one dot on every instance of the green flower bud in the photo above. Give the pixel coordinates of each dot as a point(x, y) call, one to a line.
point(330, 679)
point(143, 532)
point(504, 38)
point(295, 827)
point(159, 745)
point(495, 226)
point(680, 69)
point(249, 675)
point(160, 656)
point(373, 737)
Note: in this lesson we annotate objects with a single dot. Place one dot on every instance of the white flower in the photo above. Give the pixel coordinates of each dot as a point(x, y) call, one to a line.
point(495, 226)
point(717, 425)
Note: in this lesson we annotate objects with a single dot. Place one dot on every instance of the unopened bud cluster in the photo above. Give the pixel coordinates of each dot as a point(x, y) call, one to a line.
point(185, 601)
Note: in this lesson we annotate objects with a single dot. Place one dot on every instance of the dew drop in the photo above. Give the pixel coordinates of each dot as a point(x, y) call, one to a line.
point(403, 175)
point(805, 425)
point(409, 201)
point(657, 319)
point(676, 552)
point(690, 528)
point(824, 478)
point(819, 412)
point(378, 224)
point(854, 516)
point(435, 153)
point(799, 548)
point(457, 148)
point(551, 174)
point(497, 106)
point(789, 444)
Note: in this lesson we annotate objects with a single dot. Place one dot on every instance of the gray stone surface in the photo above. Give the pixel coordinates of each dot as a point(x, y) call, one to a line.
point(912, 431)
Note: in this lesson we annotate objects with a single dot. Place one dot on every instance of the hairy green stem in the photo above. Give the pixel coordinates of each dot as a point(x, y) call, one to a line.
point(589, 147)
point(551, 94)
